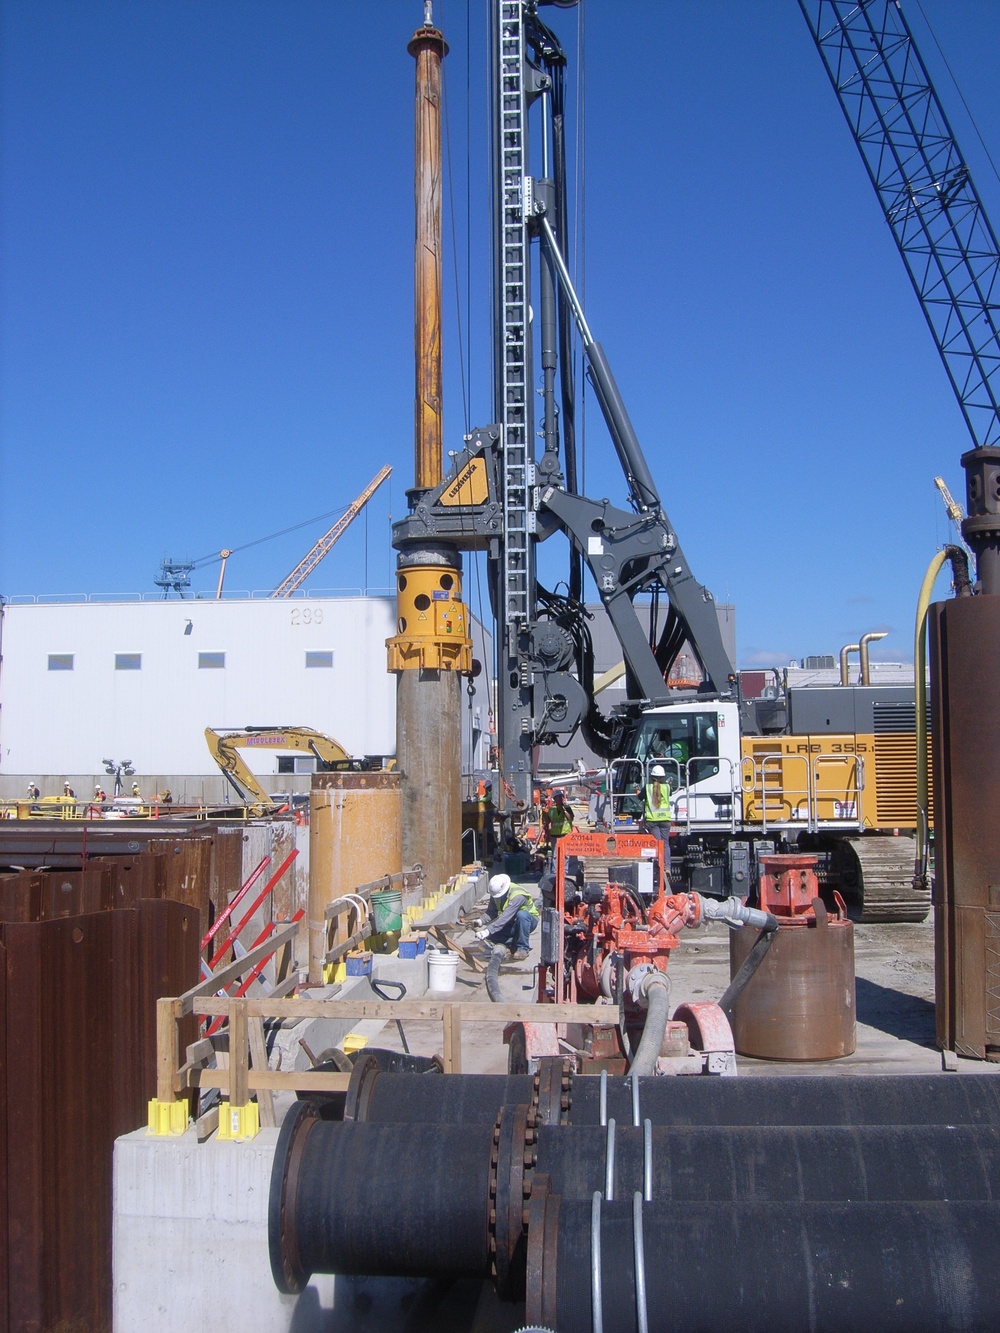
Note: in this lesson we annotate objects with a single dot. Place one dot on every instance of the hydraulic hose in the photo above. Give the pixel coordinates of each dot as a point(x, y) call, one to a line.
point(735, 913)
point(656, 989)
point(960, 573)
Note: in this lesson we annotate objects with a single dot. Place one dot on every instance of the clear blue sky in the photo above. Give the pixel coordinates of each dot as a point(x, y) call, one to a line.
point(206, 273)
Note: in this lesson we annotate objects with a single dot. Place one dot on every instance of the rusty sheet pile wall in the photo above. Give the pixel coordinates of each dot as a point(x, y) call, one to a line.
point(86, 949)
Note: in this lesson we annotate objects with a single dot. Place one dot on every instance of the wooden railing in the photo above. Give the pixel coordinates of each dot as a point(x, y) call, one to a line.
point(248, 1074)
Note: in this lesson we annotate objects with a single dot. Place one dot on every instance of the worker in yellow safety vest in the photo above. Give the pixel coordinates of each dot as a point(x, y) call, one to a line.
point(656, 809)
point(557, 820)
point(511, 916)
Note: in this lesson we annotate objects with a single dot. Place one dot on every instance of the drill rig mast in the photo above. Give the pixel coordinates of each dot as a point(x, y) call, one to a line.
point(501, 499)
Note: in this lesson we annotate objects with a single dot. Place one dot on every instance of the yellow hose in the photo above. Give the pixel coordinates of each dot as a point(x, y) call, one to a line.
point(920, 697)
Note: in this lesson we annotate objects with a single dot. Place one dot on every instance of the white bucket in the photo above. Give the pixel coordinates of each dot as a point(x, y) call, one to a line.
point(442, 968)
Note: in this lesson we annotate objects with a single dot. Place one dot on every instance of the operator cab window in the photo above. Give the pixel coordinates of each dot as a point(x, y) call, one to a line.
point(686, 743)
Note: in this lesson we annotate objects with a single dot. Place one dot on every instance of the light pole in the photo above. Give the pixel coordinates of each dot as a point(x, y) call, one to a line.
point(117, 770)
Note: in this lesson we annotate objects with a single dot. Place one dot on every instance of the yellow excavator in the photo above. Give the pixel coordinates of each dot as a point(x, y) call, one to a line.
point(225, 747)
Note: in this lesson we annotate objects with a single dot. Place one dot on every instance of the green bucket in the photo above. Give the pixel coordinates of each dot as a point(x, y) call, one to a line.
point(387, 910)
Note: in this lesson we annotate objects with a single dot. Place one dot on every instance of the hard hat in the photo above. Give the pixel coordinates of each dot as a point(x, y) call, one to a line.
point(499, 885)
point(657, 771)
point(558, 792)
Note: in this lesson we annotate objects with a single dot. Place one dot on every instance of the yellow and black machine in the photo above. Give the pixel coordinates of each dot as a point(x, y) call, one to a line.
point(225, 747)
point(830, 770)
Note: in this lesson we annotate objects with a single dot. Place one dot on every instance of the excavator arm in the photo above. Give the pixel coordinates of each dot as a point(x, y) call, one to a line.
point(225, 748)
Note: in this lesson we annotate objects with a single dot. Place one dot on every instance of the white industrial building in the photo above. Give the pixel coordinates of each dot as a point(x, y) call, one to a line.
point(82, 682)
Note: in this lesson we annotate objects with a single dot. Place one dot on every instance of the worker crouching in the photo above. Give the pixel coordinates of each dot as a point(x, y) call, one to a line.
point(512, 914)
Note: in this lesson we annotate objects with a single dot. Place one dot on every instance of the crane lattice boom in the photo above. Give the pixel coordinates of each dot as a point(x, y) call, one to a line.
point(322, 548)
point(925, 189)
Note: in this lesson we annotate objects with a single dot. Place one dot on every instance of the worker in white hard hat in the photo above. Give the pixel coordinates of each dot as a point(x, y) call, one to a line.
point(557, 820)
point(511, 916)
point(656, 809)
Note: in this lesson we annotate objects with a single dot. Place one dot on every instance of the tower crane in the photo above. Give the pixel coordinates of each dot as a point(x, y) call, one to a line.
point(325, 544)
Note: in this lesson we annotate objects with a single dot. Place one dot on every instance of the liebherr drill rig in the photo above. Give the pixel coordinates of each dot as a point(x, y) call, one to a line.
point(828, 770)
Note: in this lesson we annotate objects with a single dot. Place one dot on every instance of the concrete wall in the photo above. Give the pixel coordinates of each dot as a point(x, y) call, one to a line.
point(190, 1251)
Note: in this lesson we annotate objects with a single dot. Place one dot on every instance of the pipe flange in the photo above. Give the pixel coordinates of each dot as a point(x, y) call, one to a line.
point(361, 1088)
point(551, 1101)
point(287, 1269)
point(511, 1157)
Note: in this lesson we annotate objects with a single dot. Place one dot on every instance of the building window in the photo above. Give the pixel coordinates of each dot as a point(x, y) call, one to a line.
point(128, 661)
point(211, 661)
point(60, 661)
point(319, 660)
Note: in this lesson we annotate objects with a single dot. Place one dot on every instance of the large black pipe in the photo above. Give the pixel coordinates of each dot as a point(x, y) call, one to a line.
point(776, 1163)
point(807, 1099)
point(453, 1099)
point(375, 1199)
point(768, 1268)
point(795, 1099)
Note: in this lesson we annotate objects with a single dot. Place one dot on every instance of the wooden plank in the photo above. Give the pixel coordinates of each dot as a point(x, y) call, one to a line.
point(239, 1054)
point(417, 1010)
point(206, 1125)
point(452, 1040)
point(469, 958)
point(258, 1054)
point(339, 950)
point(286, 987)
point(308, 1080)
point(225, 975)
point(167, 1054)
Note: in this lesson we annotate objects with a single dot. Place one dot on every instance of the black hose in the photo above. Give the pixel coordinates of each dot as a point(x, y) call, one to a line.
point(493, 974)
point(749, 966)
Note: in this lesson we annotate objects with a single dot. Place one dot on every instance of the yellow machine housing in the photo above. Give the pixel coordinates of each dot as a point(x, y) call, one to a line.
point(432, 628)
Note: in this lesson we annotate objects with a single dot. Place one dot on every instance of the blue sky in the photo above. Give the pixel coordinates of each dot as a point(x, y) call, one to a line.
point(206, 284)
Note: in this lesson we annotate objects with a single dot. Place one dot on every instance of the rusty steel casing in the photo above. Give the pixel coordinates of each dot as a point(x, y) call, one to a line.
point(354, 838)
point(428, 752)
point(799, 1004)
point(965, 707)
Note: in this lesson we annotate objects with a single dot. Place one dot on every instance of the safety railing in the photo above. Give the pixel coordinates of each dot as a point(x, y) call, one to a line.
point(247, 1074)
point(191, 595)
point(810, 803)
point(692, 808)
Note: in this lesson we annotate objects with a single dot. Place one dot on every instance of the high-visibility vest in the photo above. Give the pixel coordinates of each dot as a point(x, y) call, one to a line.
point(528, 904)
point(657, 802)
point(560, 821)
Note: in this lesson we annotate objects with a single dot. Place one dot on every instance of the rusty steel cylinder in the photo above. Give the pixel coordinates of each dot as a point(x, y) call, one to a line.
point(965, 707)
point(799, 1004)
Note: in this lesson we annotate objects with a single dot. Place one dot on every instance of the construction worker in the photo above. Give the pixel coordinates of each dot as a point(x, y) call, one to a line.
point(512, 914)
point(33, 792)
point(557, 820)
point(68, 791)
point(656, 809)
point(136, 792)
